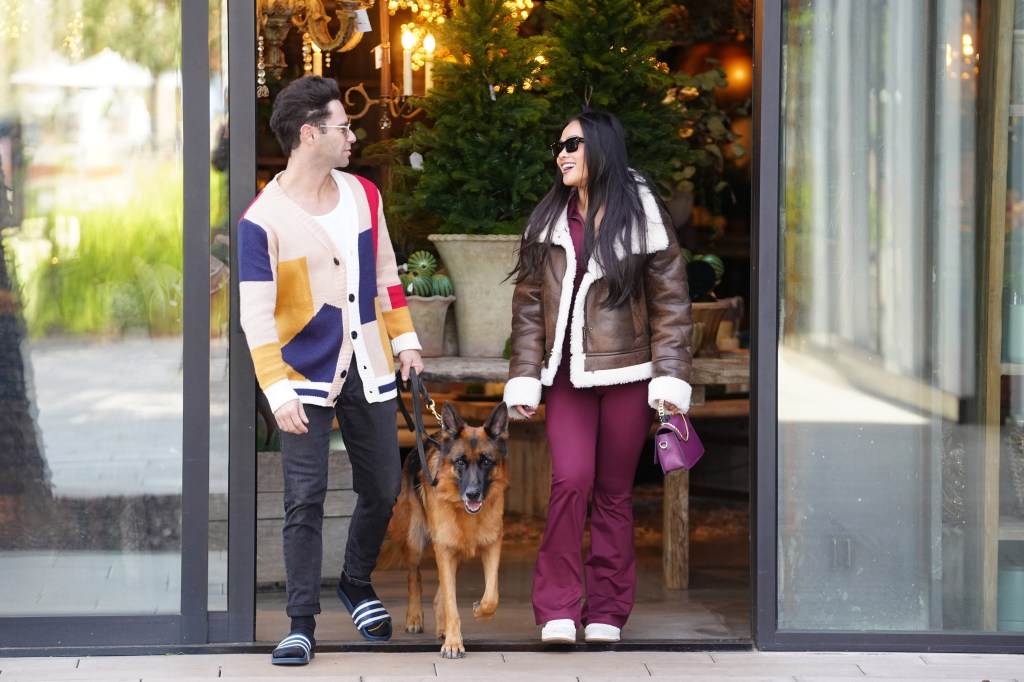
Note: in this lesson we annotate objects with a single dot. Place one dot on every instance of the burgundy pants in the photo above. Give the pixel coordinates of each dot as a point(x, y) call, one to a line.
point(596, 436)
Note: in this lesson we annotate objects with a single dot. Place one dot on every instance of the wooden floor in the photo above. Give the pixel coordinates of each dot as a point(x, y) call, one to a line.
point(716, 608)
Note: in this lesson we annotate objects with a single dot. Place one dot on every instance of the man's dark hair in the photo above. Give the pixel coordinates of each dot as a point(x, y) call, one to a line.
point(302, 101)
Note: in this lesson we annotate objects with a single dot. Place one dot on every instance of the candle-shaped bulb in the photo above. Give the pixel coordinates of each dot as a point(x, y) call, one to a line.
point(318, 60)
point(408, 42)
point(428, 63)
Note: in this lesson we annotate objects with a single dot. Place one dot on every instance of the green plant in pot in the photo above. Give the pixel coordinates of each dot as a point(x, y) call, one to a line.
point(430, 293)
point(703, 273)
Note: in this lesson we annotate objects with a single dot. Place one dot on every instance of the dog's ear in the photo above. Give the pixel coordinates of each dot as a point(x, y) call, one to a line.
point(496, 425)
point(451, 422)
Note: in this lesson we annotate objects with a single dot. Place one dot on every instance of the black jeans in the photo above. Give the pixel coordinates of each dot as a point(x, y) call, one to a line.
point(370, 433)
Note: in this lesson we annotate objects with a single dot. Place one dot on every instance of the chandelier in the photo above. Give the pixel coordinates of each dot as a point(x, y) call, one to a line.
point(276, 17)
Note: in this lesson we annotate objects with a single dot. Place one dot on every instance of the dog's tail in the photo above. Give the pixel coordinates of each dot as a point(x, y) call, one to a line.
point(390, 555)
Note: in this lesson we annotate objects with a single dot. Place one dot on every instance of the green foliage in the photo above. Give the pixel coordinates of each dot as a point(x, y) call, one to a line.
point(147, 32)
point(695, 21)
point(420, 285)
point(422, 263)
point(442, 285)
point(124, 274)
point(484, 156)
point(716, 264)
point(604, 55)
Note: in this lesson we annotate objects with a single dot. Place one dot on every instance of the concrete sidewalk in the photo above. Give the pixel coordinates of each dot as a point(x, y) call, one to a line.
point(540, 667)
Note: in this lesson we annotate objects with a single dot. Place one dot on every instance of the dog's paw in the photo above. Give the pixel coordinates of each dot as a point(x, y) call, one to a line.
point(453, 649)
point(483, 611)
point(414, 626)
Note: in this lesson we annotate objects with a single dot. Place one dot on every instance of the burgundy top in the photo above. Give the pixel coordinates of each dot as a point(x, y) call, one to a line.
point(576, 227)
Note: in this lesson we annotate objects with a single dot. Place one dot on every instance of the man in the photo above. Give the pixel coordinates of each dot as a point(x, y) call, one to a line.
point(323, 312)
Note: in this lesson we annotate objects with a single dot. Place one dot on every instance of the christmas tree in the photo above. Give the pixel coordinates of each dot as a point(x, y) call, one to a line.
point(604, 55)
point(484, 155)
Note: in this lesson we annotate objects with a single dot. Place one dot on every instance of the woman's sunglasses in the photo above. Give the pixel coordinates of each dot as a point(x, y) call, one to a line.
point(569, 144)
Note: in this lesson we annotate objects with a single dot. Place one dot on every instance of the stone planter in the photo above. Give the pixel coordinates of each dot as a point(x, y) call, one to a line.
point(478, 265)
point(429, 317)
point(706, 319)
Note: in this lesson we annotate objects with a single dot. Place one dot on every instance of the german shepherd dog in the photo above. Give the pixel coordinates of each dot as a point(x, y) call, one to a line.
point(462, 515)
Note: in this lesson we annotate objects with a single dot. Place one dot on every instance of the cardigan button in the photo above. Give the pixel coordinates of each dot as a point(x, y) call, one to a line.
point(344, 373)
point(337, 262)
point(351, 298)
point(355, 335)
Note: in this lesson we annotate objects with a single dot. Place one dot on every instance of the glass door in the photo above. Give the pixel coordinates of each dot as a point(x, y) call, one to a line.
point(114, 334)
point(894, 516)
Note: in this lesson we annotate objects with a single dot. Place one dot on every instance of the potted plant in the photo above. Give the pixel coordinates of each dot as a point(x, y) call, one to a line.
point(703, 273)
point(430, 293)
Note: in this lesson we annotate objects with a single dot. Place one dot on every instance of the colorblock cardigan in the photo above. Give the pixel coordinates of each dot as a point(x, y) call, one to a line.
point(306, 307)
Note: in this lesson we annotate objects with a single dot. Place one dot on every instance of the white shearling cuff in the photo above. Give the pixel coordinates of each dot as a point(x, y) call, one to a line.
point(671, 390)
point(521, 391)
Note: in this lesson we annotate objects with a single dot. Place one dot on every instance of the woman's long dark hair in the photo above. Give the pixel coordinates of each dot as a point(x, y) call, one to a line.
point(611, 185)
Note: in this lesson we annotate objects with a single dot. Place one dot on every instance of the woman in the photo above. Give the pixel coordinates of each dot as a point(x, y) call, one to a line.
point(601, 316)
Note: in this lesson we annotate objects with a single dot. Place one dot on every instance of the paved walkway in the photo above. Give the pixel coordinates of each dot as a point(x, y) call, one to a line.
point(546, 667)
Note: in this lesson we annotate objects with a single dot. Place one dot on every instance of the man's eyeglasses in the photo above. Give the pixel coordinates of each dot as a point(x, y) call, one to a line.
point(570, 145)
point(347, 128)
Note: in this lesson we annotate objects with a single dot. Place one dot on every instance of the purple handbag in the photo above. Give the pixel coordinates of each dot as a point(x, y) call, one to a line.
point(676, 444)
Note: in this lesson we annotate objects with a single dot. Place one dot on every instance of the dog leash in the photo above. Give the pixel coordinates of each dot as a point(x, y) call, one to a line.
point(415, 423)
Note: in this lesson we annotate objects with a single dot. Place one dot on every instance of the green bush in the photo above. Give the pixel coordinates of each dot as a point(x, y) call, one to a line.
point(123, 274)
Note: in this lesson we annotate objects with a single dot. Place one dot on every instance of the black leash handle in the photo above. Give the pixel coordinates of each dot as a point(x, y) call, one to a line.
point(415, 423)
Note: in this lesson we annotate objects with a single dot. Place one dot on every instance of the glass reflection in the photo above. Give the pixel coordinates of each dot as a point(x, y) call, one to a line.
point(881, 446)
point(91, 311)
point(220, 292)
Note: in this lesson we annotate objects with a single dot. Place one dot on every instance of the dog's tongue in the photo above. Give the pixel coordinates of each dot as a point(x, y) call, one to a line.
point(474, 506)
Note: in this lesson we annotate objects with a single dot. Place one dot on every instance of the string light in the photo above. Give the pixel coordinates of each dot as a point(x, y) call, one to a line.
point(519, 8)
point(262, 91)
point(307, 53)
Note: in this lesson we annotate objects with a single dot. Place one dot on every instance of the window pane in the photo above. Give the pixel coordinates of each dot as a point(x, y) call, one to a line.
point(91, 345)
point(220, 292)
point(882, 455)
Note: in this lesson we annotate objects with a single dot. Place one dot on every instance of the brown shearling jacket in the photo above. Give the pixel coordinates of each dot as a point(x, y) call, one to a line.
point(647, 339)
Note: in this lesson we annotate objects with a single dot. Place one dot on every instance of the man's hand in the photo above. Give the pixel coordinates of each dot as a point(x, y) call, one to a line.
point(410, 359)
point(291, 417)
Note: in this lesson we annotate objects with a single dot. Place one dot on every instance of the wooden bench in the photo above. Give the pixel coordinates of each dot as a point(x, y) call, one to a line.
point(530, 462)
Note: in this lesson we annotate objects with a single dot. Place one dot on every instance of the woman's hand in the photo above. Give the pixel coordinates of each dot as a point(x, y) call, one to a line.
point(525, 410)
point(670, 408)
